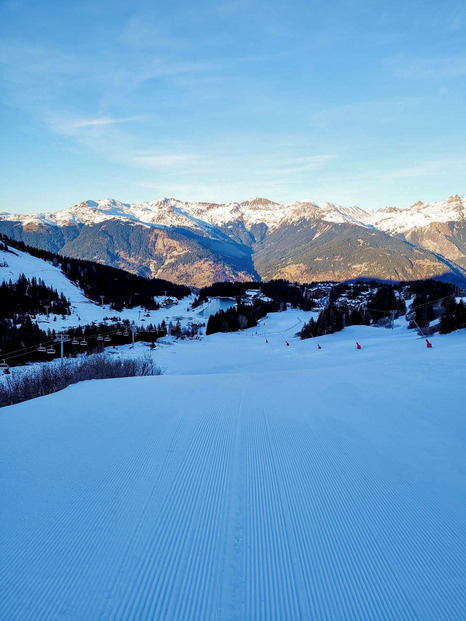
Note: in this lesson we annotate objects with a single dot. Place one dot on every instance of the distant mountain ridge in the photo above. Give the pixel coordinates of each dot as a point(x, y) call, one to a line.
point(199, 243)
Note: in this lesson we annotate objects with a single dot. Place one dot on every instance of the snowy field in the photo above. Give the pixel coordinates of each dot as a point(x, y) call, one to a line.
point(252, 480)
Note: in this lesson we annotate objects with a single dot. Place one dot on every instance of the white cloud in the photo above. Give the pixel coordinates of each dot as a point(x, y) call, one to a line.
point(292, 166)
point(163, 160)
point(96, 122)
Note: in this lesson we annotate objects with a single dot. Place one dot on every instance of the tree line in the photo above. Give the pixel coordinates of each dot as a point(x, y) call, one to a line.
point(119, 288)
point(239, 317)
point(282, 292)
point(432, 300)
point(332, 319)
point(453, 316)
point(30, 297)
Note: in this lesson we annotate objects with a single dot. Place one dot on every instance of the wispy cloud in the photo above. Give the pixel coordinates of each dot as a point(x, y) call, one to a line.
point(234, 97)
point(50, 70)
point(163, 160)
point(378, 110)
point(66, 126)
point(410, 171)
point(457, 19)
point(369, 173)
point(210, 191)
point(297, 165)
point(431, 68)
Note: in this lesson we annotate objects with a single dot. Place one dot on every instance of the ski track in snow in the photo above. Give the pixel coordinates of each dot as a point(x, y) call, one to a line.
point(251, 481)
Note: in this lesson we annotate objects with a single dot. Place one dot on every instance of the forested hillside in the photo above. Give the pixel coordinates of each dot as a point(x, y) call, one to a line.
point(118, 287)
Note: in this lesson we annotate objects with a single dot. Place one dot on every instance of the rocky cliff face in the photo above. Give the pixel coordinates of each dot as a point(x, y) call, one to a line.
point(199, 243)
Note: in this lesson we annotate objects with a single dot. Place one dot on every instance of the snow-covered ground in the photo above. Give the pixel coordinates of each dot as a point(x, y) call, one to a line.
point(253, 480)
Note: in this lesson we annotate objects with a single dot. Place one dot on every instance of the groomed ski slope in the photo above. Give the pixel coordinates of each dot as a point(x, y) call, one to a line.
point(250, 481)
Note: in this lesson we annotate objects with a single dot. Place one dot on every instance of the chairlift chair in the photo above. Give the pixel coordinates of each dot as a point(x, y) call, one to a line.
point(75, 342)
point(51, 350)
point(107, 339)
point(41, 349)
point(100, 338)
point(119, 332)
point(126, 333)
point(83, 343)
point(4, 367)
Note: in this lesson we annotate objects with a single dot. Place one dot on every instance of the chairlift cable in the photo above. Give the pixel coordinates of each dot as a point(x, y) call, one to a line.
point(452, 295)
point(26, 350)
point(31, 348)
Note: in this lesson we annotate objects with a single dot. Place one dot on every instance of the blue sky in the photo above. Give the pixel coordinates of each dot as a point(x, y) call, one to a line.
point(358, 102)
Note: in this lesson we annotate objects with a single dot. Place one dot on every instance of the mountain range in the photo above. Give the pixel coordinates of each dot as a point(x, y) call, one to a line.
point(200, 243)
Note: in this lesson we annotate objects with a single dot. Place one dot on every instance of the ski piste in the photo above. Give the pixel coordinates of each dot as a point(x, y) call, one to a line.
point(252, 480)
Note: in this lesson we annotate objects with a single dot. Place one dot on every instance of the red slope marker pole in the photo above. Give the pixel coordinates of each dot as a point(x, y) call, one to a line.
point(429, 344)
point(318, 346)
point(358, 346)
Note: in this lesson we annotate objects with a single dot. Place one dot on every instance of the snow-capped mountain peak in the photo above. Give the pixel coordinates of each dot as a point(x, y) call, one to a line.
point(170, 212)
point(340, 215)
point(197, 243)
point(420, 215)
point(259, 202)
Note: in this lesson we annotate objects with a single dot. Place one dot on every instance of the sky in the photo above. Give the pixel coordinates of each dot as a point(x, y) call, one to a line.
point(357, 103)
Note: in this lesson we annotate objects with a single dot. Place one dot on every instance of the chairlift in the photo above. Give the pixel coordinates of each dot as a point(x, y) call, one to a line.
point(126, 333)
point(4, 368)
point(107, 339)
point(100, 338)
point(51, 351)
point(83, 343)
point(75, 342)
point(41, 349)
point(119, 332)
